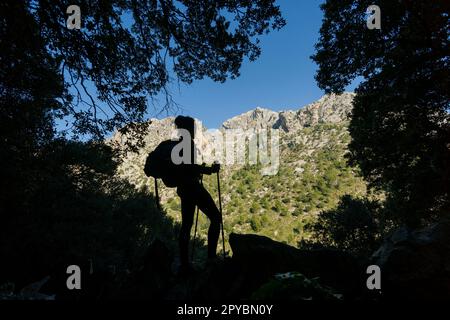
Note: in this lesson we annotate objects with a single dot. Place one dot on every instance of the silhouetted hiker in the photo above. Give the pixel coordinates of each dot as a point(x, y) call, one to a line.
point(186, 177)
point(192, 193)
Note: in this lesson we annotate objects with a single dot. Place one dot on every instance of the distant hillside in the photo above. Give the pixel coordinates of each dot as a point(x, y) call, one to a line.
point(312, 176)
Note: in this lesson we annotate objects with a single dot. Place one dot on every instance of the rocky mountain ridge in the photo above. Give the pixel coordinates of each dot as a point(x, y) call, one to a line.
point(330, 108)
point(311, 177)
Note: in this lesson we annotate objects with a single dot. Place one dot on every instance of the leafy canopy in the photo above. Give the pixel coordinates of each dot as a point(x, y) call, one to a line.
point(400, 124)
point(128, 50)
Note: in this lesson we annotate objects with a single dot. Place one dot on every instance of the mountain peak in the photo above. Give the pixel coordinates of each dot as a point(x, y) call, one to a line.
point(330, 108)
point(257, 118)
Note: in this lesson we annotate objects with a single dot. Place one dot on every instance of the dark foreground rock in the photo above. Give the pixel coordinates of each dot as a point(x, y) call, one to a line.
point(260, 258)
point(416, 264)
point(257, 259)
point(255, 262)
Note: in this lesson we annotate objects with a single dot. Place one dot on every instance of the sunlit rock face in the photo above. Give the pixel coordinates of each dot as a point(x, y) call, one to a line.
point(330, 108)
point(313, 172)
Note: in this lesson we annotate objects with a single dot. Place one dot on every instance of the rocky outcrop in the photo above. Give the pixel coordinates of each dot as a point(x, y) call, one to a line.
point(146, 136)
point(287, 121)
point(153, 131)
point(328, 109)
point(259, 258)
point(416, 264)
point(256, 260)
point(331, 108)
point(258, 118)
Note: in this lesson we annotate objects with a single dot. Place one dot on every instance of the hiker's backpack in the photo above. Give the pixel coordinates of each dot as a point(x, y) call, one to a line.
point(160, 166)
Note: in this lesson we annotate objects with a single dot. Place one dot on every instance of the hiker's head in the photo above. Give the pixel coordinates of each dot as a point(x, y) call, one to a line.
point(187, 123)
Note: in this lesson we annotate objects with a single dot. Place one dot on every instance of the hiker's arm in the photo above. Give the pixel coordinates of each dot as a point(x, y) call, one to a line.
point(203, 169)
point(210, 170)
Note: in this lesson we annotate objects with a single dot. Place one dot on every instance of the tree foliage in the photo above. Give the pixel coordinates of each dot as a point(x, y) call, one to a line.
point(400, 125)
point(129, 49)
point(73, 209)
point(355, 225)
point(60, 199)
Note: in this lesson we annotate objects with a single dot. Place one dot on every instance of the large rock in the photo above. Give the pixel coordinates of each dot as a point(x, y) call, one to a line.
point(415, 264)
point(331, 108)
point(259, 258)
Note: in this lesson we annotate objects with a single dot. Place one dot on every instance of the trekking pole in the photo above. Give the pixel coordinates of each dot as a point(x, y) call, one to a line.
point(221, 215)
point(158, 205)
point(195, 229)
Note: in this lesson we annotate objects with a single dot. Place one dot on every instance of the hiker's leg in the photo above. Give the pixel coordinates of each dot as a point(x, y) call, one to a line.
point(187, 219)
point(208, 207)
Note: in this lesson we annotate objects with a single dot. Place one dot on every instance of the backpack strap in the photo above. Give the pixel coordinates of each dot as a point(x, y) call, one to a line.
point(157, 194)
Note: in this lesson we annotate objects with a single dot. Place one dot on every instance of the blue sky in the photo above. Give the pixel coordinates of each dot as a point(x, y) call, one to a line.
point(281, 78)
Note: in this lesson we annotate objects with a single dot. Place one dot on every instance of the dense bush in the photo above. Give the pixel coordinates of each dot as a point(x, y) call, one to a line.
point(76, 211)
point(355, 226)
